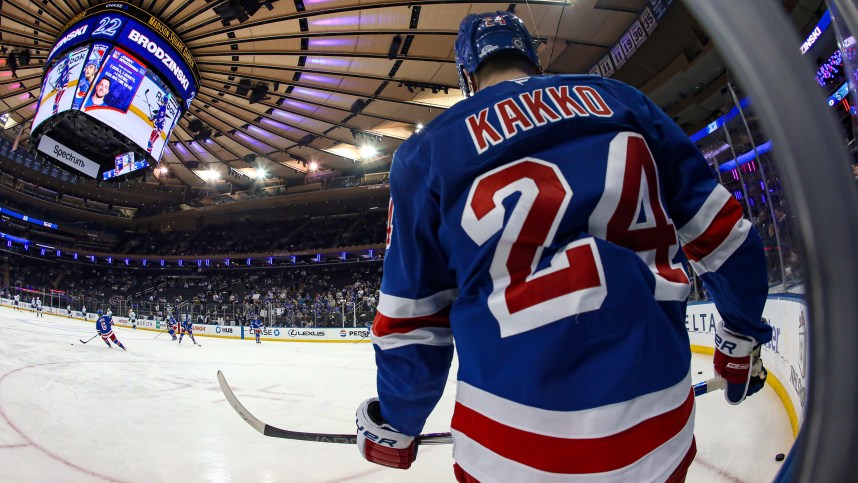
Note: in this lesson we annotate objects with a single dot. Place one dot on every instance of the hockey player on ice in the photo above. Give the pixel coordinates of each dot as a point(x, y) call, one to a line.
point(187, 326)
point(256, 327)
point(38, 307)
point(132, 317)
point(69, 311)
point(171, 323)
point(83, 311)
point(542, 223)
point(104, 326)
point(17, 301)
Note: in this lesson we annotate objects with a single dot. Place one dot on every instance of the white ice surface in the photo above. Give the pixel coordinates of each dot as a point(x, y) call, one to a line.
point(71, 412)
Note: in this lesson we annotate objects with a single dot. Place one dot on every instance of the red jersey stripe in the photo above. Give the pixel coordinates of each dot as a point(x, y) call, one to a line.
point(384, 325)
point(718, 231)
point(573, 456)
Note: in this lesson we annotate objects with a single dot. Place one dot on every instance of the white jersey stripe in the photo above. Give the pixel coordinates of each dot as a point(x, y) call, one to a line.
point(734, 240)
point(435, 336)
point(656, 466)
point(705, 215)
point(404, 308)
point(584, 424)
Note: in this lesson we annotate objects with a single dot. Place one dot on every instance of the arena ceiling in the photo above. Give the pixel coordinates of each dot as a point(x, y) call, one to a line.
point(344, 74)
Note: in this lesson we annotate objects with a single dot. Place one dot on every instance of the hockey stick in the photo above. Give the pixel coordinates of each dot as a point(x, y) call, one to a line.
point(709, 385)
point(364, 337)
point(93, 337)
point(159, 333)
point(431, 438)
point(267, 430)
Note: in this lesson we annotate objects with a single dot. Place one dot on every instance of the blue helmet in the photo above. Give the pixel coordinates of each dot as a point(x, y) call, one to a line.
point(98, 312)
point(483, 35)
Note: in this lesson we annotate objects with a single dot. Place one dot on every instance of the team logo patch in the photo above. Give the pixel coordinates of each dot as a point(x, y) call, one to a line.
point(487, 49)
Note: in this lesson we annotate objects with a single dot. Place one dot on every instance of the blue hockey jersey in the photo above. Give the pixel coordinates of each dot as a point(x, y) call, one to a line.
point(543, 225)
point(104, 325)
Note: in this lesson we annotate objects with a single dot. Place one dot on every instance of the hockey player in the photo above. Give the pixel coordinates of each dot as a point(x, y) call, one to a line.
point(89, 71)
point(187, 326)
point(104, 326)
point(256, 327)
point(132, 317)
point(38, 307)
point(158, 119)
point(17, 301)
point(543, 224)
point(83, 311)
point(172, 325)
point(69, 311)
point(61, 82)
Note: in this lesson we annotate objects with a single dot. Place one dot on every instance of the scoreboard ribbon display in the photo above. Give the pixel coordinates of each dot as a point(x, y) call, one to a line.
point(142, 35)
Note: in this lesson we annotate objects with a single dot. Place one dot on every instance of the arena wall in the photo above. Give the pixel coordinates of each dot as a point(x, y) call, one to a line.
point(272, 334)
point(785, 357)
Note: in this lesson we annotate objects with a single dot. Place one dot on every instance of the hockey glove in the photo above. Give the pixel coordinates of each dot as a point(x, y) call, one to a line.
point(737, 360)
point(380, 443)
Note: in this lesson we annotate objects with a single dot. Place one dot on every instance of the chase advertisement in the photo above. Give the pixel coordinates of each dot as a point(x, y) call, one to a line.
point(133, 100)
point(60, 78)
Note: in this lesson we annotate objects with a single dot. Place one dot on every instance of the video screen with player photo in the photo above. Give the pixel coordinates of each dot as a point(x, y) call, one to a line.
point(133, 100)
point(90, 69)
point(61, 77)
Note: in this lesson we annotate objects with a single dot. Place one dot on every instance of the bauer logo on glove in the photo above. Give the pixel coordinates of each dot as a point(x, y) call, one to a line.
point(737, 360)
point(381, 443)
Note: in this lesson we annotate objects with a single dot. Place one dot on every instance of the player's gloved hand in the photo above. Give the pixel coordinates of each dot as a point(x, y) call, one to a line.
point(380, 443)
point(737, 360)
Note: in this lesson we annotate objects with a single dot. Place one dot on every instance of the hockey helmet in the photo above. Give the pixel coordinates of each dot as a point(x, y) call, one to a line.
point(484, 35)
point(98, 312)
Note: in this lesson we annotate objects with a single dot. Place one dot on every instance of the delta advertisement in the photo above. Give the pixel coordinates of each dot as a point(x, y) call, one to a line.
point(132, 99)
point(61, 77)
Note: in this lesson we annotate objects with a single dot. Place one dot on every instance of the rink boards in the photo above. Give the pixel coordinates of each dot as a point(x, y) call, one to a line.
point(274, 334)
point(785, 357)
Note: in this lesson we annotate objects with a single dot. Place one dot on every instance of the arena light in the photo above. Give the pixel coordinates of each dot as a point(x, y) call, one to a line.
point(314, 166)
point(366, 151)
point(419, 127)
point(261, 173)
point(210, 175)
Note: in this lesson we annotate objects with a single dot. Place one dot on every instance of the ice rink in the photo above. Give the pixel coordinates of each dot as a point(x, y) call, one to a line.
point(72, 412)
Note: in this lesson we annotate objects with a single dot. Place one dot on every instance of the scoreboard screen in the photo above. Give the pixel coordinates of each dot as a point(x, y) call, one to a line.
point(117, 82)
